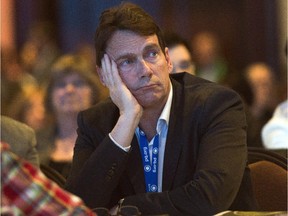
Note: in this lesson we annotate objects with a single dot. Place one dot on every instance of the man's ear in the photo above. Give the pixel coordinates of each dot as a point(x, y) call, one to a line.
point(99, 72)
point(168, 60)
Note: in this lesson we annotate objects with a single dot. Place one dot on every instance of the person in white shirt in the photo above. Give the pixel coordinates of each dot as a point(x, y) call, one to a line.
point(275, 132)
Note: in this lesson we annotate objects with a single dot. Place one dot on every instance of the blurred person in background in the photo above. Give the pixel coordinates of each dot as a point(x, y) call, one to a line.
point(263, 83)
point(208, 59)
point(73, 87)
point(239, 83)
point(179, 52)
point(28, 107)
point(274, 134)
point(265, 97)
point(40, 50)
point(14, 79)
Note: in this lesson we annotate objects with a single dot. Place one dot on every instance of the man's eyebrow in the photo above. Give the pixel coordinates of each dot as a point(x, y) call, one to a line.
point(125, 56)
point(152, 46)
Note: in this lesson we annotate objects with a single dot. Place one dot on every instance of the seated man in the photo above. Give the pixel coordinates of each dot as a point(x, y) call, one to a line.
point(166, 143)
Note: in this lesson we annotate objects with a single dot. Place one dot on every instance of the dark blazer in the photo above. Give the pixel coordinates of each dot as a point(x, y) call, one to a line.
point(205, 155)
point(21, 138)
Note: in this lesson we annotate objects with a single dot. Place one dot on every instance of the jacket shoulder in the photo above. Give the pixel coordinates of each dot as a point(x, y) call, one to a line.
point(194, 85)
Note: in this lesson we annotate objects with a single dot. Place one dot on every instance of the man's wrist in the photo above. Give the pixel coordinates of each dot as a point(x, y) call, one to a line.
point(126, 149)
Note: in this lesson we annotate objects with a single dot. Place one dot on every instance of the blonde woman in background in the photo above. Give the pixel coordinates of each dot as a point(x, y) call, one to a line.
point(73, 87)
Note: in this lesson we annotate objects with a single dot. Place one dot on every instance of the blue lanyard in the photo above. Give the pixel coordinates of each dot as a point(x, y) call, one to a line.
point(150, 166)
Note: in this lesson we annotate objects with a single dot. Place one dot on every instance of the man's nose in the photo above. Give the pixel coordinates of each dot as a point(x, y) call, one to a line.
point(144, 68)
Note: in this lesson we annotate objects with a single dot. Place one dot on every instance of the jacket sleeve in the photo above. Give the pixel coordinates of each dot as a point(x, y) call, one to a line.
point(97, 166)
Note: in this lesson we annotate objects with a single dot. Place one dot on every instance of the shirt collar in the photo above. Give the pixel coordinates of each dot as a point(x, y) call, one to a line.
point(163, 120)
point(165, 115)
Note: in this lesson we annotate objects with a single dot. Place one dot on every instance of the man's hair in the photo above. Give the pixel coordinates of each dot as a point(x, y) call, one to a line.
point(126, 16)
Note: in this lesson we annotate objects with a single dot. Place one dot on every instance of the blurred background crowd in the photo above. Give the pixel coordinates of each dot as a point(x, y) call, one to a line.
point(48, 69)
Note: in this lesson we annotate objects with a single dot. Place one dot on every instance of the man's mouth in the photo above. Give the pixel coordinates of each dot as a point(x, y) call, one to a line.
point(147, 87)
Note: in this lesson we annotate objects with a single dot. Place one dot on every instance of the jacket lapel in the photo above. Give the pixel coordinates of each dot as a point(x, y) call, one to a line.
point(136, 173)
point(173, 144)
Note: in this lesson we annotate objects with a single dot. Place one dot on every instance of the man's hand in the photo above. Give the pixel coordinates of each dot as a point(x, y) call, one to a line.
point(119, 93)
point(130, 109)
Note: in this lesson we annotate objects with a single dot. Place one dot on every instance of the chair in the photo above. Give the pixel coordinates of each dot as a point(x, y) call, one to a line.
point(52, 174)
point(269, 179)
point(257, 154)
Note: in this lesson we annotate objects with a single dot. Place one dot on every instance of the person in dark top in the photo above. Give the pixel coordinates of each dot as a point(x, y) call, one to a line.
point(73, 87)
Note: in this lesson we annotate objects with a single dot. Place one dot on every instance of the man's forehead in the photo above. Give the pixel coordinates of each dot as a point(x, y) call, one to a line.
point(129, 42)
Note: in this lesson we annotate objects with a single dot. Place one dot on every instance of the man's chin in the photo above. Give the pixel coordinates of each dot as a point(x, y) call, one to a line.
point(148, 101)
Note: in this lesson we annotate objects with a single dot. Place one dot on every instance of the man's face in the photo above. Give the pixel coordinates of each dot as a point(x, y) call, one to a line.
point(143, 67)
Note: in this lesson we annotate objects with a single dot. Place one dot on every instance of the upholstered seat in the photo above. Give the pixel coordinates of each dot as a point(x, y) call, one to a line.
point(269, 179)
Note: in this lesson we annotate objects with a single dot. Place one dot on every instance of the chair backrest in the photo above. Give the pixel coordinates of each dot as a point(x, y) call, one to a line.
point(53, 175)
point(269, 179)
point(257, 154)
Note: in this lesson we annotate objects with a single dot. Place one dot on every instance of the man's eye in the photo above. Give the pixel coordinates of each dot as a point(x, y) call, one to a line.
point(125, 62)
point(153, 54)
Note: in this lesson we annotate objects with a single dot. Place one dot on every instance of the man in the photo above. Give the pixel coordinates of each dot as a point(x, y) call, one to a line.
point(166, 144)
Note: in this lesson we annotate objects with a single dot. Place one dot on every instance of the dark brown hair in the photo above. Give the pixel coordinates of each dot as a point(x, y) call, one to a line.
point(126, 16)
